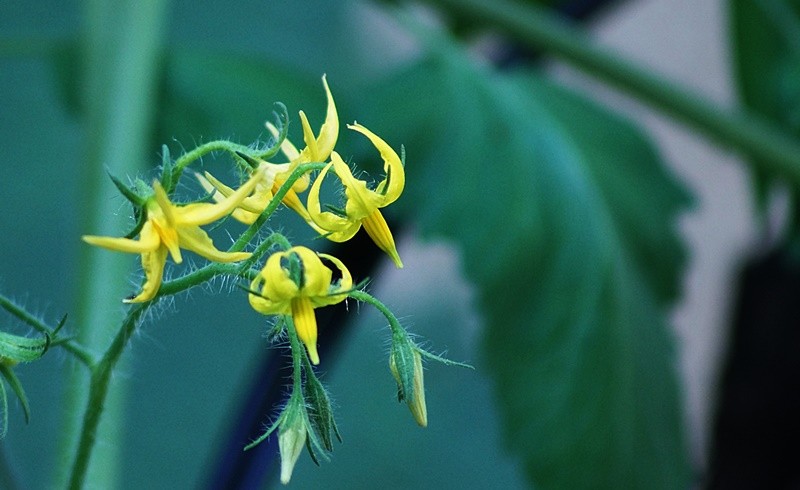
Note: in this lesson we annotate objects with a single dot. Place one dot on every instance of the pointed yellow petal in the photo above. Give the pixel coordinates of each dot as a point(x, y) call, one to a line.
point(205, 213)
point(392, 165)
point(164, 203)
point(306, 325)
point(376, 227)
point(153, 265)
point(147, 241)
point(195, 239)
point(213, 186)
point(319, 149)
point(310, 152)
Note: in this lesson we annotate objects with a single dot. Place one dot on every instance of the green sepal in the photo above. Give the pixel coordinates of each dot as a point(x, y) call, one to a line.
point(337, 211)
point(15, 348)
point(15, 384)
point(140, 215)
point(168, 177)
point(294, 266)
point(282, 123)
point(319, 410)
point(135, 199)
point(250, 161)
point(401, 363)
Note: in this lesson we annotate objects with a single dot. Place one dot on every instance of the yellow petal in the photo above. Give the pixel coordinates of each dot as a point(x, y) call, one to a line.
point(361, 201)
point(278, 286)
point(377, 229)
point(265, 305)
point(195, 239)
point(147, 242)
point(153, 265)
point(213, 186)
point(324, 219)
point(306, 325)
point(318, 150)
point(205, 213)
point(164, 204)
point(316, 277)
point(167, 235)
point(345, 285)
point(392, 165)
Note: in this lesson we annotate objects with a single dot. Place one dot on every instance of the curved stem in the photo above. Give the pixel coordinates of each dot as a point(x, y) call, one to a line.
point(768, 145)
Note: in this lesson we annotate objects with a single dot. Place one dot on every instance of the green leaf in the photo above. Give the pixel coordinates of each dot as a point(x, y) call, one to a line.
point(241, 94)
point(564, 216)
point(766, 55)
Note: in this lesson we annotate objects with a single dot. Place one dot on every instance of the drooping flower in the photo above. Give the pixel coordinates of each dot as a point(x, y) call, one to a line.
point(363, 204)
point(317, 149)
point(170, 227)
point(295, 282)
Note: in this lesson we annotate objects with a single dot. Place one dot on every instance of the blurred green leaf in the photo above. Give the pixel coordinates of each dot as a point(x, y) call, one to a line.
point(240, 94)
point(766, 51)
point(564, 216)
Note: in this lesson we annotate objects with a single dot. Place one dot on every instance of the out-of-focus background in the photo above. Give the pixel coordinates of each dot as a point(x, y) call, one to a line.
point(220, 69)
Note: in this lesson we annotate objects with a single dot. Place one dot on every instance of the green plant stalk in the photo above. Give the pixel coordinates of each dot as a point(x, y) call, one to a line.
point(766, 144)
point(98, 394)
point(121, 46)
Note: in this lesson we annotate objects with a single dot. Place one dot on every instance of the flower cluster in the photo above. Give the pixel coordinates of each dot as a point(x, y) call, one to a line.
point(294, 280)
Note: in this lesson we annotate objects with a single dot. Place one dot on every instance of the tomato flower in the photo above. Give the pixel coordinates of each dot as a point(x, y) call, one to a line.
point(363, 204)
point(295, 282)
point(170, 227)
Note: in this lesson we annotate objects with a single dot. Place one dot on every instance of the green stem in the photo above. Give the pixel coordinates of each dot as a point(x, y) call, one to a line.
point(767, 145)
point(394, 323)
point(98, 392)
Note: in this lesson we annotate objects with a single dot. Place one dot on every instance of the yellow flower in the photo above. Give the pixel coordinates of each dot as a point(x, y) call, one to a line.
point(169, 228)
point(363, 204)
point(317, 149)
point(295, 282)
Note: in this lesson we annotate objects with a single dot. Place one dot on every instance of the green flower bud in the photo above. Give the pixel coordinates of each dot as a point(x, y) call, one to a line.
point(15, 349)
point(291, 441)
point(405, 362)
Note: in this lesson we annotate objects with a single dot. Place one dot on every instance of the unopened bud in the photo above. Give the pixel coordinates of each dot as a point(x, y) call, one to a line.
point(405, 362)
point(291, 441)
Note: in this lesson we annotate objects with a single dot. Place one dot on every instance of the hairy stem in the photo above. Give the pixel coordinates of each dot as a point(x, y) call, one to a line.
point(98, 392)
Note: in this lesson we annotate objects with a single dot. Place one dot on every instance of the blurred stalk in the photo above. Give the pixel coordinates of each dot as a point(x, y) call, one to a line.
point(121, 52)
point(537, 28)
